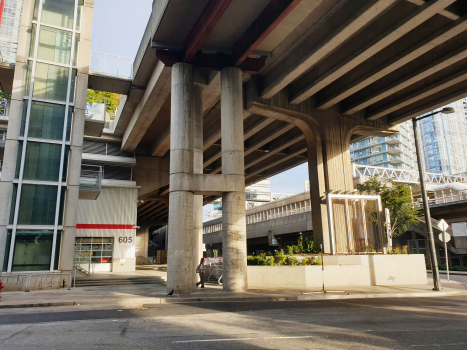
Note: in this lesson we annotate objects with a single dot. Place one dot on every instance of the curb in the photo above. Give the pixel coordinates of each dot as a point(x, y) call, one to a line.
point(160, 301)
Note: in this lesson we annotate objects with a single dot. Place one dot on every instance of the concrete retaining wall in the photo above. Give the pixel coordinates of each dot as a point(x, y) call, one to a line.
point(353, 270)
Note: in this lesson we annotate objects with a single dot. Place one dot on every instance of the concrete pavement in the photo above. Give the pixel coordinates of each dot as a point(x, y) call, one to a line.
point(148, 295)
point(392, 323)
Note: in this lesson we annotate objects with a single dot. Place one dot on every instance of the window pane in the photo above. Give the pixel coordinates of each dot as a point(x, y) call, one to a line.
point(75, 56)
point(46, 121)
point(58, 12)
point(42, 161)
point(51, 82)
point(13, 204)
point(54, 45)
point(37, 205)
point(33, 250)
point(7, 251)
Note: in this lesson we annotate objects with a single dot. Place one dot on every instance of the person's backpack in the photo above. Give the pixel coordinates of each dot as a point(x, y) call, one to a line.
point(198, 269)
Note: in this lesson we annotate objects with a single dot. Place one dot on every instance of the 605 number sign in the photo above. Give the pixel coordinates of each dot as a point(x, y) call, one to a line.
point(125, 239)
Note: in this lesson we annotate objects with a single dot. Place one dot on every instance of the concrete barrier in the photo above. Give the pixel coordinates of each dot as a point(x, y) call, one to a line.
point(352, 270)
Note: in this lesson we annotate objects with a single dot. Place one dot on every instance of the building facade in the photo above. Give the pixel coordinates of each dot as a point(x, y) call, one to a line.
point(9, 30)
point(396, 151)
point(444, 140)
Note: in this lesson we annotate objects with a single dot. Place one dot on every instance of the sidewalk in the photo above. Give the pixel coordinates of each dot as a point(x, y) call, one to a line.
point(150, 295)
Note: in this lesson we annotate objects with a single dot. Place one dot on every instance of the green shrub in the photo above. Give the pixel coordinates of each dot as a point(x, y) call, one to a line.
point(452, 268)
point(318, 261)
point(368, 249)
point(400, 250)
point(293, 261)
point(280, 257)
point(290, 250)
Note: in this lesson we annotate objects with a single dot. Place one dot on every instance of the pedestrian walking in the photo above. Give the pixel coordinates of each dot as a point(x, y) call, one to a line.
point(200, 270)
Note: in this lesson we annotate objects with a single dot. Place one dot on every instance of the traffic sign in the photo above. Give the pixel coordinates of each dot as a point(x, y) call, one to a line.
point(443, 225)
point(448, 237)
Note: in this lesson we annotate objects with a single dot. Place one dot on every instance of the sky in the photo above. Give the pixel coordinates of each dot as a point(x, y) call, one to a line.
point(118, 29)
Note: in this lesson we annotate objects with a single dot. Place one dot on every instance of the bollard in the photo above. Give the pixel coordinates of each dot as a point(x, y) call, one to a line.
point(1, 286)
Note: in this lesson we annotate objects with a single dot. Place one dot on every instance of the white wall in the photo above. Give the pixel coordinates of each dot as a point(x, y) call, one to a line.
point(353, 270)
point(114, 206)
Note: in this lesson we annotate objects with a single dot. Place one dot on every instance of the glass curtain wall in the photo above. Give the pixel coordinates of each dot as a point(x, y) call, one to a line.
point(43, 146)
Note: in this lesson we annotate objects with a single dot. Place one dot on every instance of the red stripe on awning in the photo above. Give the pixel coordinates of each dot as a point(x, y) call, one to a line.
point(104, 227)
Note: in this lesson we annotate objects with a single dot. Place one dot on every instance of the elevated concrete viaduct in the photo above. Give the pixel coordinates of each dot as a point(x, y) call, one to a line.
point(316, 75)
point(277, 83)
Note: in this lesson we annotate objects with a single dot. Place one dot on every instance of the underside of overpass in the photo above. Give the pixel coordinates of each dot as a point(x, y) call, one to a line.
point(295, 81)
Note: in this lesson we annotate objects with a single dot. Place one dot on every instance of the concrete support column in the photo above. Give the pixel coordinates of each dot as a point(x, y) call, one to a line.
point(197, 169)
point(233, 203)
point(180, 265)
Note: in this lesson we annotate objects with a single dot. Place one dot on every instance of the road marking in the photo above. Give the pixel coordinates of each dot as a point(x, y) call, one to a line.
point(233, 339)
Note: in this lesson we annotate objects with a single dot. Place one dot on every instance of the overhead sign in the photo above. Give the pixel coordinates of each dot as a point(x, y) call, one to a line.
point(443, 225)
point(448, 237)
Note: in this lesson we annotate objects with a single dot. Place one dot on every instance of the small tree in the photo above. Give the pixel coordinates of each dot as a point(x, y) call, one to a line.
point(113, 100)
point(398, 199)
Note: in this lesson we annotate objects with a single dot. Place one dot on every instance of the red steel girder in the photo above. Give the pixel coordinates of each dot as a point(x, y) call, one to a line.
point(259, 30)
point(211, 14)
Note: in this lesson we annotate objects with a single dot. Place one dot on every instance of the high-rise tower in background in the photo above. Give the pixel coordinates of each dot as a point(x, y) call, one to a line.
point(396, 151)
point(9, 30)
point(444, 140)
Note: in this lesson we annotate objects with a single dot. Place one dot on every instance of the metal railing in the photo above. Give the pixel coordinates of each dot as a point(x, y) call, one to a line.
point(44, 280)
point(17, 282)
point(298, 207)
point(91, 178)
point(14, 282)
point(82, 263)
point(96, 110)
point(406, 176)
point(2, 138)
point(442, 198)
point(113, 65)
point(4, 108)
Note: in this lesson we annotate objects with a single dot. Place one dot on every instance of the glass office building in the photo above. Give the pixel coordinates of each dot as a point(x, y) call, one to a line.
point(9, 30)
point(396, 151)
point(444, 140)
point(40, 179)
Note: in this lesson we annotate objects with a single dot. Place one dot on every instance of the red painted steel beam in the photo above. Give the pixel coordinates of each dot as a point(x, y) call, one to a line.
point(259, 30)
point(212, 13)
point(2, 4)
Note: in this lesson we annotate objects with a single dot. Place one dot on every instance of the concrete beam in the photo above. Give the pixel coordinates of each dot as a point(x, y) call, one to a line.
point(276, 150)
point(409, 79)
point(430, 103)
point(161, 144)
point(296, 153)
point(206, 184)
point(157, 92)
point(448, 13)
point(432, 89)
point(358, 13)
point(375, 40)
point(396, 62)
point(259, 30)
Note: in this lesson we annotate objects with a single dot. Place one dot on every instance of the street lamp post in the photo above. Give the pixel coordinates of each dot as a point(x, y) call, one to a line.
point(426, 208)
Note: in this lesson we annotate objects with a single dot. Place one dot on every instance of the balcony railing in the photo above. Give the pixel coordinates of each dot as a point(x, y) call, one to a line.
point(2, 138)
point(96, 109)
point(4, 108)
point(91, 180)
point(113, 65)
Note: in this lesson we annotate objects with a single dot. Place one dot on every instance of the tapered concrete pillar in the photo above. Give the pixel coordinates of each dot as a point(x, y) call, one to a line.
point(180, 265)
point(197, 169)
point(233, 203)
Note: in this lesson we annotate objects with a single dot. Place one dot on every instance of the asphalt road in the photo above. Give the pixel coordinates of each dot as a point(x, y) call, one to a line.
point(418, 323)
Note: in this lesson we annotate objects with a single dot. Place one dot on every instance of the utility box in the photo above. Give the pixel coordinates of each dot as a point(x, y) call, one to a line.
point(161, 257)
